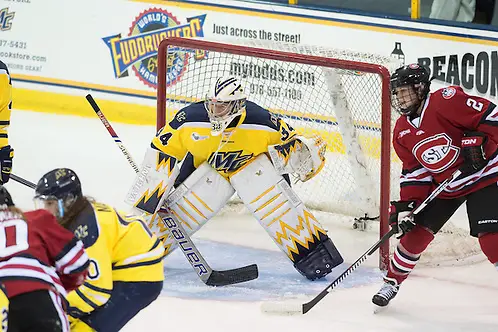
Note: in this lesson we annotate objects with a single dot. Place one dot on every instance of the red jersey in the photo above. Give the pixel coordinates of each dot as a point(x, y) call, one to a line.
point(39, 254)
point(429, 146)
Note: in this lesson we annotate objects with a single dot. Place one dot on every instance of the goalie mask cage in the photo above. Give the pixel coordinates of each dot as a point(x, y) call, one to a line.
point(341, 95)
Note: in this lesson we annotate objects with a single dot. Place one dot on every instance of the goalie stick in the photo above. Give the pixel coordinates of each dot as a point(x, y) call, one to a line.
point(288, 308)
point(214, 278)
point(209, 276)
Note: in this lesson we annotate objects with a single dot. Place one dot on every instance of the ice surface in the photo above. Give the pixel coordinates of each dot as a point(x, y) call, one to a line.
point(461, 298)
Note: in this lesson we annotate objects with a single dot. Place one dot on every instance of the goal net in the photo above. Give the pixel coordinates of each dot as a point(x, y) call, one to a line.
point(341, 95)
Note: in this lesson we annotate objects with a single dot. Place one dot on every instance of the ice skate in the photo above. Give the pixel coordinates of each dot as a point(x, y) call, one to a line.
point(387, 292)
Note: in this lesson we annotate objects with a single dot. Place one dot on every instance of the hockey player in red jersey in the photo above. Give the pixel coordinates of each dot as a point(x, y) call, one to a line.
point(39, 262)
point(437, 134)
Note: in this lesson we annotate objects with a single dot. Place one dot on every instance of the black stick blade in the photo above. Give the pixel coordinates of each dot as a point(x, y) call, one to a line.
point(234, 276)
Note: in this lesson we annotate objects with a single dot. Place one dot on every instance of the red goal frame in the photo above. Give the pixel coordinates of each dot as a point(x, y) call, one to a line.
point(383, 72)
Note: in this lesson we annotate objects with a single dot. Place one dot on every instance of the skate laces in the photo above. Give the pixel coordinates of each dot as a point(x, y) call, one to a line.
point(389, 289)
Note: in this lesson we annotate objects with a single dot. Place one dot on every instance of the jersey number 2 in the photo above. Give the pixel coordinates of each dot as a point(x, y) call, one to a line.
point(13, 237)
point(477, 105)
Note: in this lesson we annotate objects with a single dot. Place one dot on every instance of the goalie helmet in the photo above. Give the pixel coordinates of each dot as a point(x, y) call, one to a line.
point(225, 102)
point(409, 87)
point(61, 187)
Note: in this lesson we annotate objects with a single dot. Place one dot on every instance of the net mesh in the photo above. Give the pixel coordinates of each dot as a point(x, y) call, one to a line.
point(344, 106)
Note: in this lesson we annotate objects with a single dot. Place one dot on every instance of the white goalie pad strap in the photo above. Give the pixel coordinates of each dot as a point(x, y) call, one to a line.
point(303, 156)
point(277, 207)
point(154, 181)
point(199, 197)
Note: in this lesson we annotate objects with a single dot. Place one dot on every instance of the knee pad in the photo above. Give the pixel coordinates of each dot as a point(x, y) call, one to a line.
point(489, 246)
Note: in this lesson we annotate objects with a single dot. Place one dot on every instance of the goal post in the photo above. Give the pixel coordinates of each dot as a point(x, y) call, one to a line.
point(314, 89)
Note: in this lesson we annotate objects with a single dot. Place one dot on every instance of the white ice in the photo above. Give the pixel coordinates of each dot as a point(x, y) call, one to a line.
point(458, 298)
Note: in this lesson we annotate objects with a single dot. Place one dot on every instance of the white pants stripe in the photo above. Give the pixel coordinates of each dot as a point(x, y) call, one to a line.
point(57, 301)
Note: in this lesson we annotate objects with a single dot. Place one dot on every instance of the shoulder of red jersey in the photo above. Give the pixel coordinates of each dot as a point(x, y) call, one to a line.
point(447, 93)
point(401, 128)
point(39, 214)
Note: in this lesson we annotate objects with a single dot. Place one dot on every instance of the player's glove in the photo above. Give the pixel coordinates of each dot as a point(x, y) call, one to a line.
point(474, 157)
point(6, 155)
point(401, 219)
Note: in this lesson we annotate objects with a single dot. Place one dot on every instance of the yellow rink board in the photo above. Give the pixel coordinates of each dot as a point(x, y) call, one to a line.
point(130, 113)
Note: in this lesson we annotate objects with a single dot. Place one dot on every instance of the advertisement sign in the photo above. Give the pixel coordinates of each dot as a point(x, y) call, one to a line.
point(111, 46)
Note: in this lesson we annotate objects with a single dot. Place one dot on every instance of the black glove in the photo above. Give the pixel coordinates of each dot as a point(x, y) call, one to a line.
point(401, 219)
point(474, 157)
point(6, 155)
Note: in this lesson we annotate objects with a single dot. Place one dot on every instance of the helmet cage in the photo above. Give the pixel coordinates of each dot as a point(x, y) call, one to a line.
point(221, 112)
point(408, 101)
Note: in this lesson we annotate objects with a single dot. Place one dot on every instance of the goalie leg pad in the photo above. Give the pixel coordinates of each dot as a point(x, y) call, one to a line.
point(285, 218)
point(200, 197)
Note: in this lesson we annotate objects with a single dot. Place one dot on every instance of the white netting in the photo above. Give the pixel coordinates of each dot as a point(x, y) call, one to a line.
point(343, 106)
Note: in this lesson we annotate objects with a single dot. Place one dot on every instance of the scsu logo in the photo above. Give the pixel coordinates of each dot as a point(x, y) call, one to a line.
point(436, 153)
point(448, 92)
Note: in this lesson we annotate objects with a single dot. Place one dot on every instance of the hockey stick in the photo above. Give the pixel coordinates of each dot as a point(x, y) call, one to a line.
point(215, 278)
point(23, 181)
point(296, 309)
point(209, 276)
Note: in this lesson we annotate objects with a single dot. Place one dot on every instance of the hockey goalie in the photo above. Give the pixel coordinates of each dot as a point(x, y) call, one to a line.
point(228, 144)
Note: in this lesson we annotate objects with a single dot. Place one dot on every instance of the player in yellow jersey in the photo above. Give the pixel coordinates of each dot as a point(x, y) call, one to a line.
point(6, 152)
point(229, 144)
point(126, 269)
point(4, 309)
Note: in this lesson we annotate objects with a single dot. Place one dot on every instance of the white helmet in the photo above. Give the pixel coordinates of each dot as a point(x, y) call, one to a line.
point(225, 102)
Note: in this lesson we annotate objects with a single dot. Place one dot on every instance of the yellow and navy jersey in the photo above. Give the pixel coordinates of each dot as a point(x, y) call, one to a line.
point(4, 307)
point(245, 138)
point(120, 248)
point(5, 103)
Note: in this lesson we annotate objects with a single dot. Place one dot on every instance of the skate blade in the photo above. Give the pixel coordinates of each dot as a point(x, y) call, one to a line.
point(378, 309)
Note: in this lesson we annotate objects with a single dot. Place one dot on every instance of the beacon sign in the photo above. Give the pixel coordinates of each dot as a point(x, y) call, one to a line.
point(471, 71)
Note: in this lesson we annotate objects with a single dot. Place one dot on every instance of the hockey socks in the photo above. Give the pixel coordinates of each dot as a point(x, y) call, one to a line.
point(489, 246)
point(407, 253)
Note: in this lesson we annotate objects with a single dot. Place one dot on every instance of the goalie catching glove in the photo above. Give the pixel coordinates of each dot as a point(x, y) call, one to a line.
point(304, 157)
